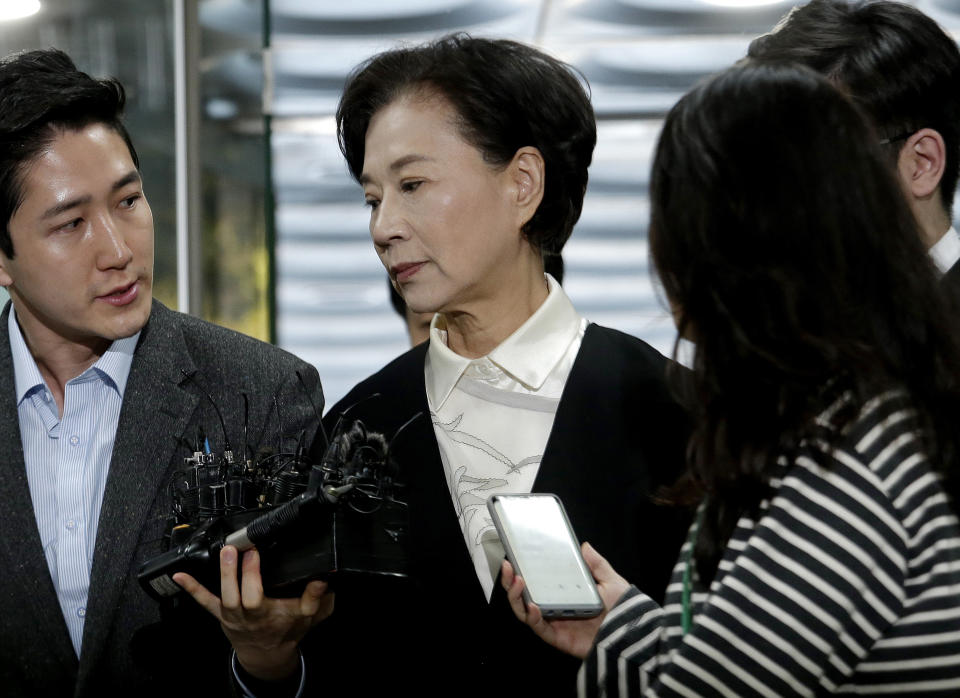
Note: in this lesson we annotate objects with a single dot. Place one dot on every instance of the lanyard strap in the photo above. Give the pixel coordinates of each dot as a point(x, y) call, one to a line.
point(686, 615)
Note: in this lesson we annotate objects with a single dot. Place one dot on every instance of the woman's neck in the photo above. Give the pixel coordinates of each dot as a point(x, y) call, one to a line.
point(476, 331)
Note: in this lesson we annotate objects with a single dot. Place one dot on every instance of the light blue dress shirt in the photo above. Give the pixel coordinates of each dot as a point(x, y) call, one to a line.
point(67, 460)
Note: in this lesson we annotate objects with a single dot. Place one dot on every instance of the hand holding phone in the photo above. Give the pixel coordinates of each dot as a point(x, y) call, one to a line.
point(540, 544)
point(575, 636)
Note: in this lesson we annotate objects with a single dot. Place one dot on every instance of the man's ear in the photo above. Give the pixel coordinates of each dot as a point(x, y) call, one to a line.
point(5, 279)
point(921, 163)
point(526, 172)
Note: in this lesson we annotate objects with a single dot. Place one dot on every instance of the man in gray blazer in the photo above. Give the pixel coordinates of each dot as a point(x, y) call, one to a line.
point(103, 392)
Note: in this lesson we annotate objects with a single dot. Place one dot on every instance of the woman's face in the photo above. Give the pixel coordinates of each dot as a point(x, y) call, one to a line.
point(444, 222)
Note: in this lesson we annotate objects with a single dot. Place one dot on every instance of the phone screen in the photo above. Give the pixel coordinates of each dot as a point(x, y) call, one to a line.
point(546, 554)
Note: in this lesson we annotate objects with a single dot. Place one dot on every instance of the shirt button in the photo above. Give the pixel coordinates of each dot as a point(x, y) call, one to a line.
point(81, 612)
point(74, 439)
point(71, 524)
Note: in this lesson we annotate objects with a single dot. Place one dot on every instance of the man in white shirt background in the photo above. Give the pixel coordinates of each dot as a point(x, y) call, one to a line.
point(903, 70)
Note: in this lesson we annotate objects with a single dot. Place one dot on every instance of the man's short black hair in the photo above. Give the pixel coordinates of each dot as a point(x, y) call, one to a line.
point(43, 93)
point(896, 63)
point(507, 95)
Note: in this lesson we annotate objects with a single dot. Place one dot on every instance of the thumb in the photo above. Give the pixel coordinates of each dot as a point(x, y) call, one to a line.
point(599, 567)
point(312, 594)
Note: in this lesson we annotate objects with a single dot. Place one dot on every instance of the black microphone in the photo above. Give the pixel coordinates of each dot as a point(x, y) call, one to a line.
point(266, 529)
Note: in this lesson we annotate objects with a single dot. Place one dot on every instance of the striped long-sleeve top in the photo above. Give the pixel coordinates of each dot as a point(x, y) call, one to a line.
point(847, 581)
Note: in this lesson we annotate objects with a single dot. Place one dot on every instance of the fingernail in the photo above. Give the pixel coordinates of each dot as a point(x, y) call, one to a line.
point(229, 554)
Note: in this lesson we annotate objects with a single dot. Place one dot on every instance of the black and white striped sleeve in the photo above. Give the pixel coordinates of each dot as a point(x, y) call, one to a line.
point(631, 629)
point(805, 593)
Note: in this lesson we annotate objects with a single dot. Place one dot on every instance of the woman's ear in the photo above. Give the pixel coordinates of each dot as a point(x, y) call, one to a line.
point(526, 172)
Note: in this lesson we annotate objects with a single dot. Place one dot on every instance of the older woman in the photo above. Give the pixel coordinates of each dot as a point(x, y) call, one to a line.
point(473, 157)
point(826, 553)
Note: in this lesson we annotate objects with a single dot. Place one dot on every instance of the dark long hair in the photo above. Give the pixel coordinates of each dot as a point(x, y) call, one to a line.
point(780, 235)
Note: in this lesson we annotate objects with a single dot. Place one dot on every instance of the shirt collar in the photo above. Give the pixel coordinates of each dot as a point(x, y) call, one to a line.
point(528, 355)
point(114, 365)
point(946, 251)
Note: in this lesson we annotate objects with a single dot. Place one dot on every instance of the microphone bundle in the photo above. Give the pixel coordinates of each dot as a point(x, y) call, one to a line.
point(339, 517)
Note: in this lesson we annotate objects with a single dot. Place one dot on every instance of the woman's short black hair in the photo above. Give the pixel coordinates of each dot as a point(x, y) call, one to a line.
point(507, 95)
point(42, 93)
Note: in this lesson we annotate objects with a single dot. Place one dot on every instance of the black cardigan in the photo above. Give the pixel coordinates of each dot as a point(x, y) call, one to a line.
point(617, 436)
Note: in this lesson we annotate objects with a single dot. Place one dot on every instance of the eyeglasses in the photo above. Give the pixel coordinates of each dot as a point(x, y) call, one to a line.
point(898, 137)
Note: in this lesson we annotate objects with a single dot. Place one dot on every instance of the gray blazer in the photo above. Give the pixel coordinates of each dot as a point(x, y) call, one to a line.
point(128, 643)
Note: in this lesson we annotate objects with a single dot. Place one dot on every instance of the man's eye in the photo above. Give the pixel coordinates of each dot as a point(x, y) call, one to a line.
point(411, 186)
point(372, 203)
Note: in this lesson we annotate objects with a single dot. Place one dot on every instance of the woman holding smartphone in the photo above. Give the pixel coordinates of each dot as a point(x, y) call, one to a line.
point(473, 155)
point(825, 553)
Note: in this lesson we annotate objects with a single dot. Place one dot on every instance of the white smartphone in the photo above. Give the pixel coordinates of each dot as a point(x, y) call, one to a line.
point(541, 546)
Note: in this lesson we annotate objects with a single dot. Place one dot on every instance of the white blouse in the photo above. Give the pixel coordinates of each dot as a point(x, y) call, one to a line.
point(492, 416)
